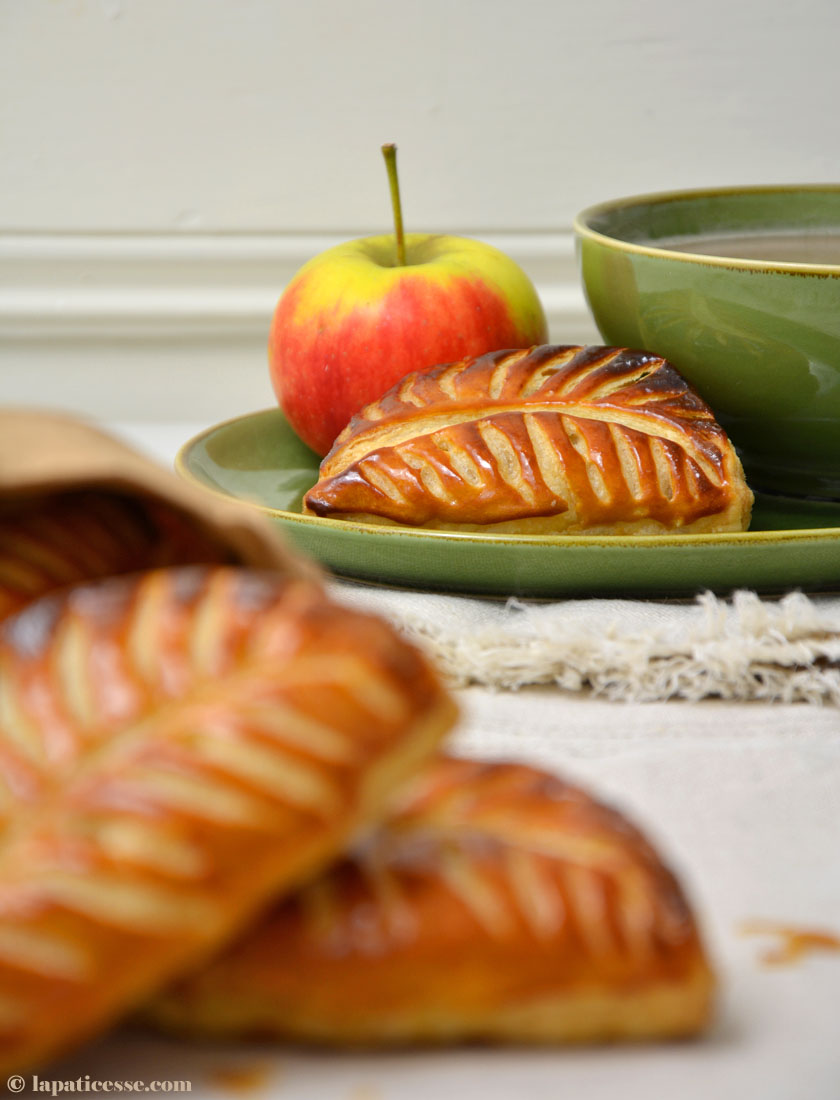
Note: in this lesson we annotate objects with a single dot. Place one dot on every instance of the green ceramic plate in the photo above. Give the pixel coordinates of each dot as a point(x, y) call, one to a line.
point(258, 458)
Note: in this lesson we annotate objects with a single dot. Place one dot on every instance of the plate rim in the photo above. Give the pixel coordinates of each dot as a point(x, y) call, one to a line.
point(734, 538)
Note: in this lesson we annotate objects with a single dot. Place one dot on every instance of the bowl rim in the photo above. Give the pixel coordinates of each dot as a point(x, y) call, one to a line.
point(659, 198)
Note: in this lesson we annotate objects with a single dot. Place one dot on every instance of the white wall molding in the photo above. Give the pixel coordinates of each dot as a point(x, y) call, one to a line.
point(131, 325)
point(142, 284)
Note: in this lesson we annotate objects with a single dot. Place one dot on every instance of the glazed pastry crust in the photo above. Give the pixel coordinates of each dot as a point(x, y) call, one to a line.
point(574, 440)
point(497, 903)
point(176, 748)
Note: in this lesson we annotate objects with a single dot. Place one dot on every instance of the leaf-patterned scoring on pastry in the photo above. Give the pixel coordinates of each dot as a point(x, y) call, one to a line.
point(175, 747)
point(525, 853)
point(497, 901)
point(588, 437)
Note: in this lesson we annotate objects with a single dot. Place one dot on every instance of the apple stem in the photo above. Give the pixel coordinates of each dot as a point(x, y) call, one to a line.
point(389, 152)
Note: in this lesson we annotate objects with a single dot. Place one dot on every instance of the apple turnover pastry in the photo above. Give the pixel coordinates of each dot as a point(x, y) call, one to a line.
point(176, 748)
point(497, 903)
point(575, 440)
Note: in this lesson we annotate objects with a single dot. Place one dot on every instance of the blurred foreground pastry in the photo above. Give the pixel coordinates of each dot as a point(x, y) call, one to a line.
point(497, 903)
point(570, 440)
point(176, 748)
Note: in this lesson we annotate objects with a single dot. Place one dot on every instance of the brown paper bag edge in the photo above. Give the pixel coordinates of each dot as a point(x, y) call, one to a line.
point(43, 452)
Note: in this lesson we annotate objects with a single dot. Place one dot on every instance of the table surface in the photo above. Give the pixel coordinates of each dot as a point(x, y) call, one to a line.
point(742, 799)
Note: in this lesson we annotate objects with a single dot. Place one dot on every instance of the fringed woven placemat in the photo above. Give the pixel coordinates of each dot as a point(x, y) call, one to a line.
point(742, 647)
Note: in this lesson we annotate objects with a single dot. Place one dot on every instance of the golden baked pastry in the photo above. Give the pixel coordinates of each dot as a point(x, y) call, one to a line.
point(497, 903)
point(60, 539)
point(176, 748)
point(585, 440)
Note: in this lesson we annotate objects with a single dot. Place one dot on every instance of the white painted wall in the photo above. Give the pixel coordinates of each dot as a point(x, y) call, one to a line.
point(509, 114)
point(165, 165)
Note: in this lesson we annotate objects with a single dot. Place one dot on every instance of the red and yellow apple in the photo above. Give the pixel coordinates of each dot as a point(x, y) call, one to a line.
point(358, 317)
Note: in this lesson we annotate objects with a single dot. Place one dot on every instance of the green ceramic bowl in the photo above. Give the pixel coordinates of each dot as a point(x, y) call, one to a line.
point(740, 290)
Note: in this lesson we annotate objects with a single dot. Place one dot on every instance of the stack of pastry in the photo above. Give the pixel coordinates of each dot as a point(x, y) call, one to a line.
point(223, 800)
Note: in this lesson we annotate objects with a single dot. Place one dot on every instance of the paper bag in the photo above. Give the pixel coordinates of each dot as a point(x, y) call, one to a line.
point(47, 453)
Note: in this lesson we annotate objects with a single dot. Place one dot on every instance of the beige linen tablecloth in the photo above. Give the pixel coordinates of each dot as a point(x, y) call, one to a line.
point(716, 726)
point(784, 650)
